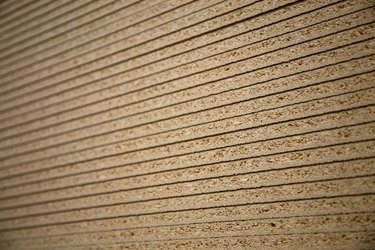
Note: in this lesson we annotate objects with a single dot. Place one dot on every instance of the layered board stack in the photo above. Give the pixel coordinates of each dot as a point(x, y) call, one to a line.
point(187, 124)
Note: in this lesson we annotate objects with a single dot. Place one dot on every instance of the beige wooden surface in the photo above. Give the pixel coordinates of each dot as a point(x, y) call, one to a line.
point(187, 124)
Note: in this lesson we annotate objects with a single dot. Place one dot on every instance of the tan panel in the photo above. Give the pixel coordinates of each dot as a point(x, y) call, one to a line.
point(187, 124)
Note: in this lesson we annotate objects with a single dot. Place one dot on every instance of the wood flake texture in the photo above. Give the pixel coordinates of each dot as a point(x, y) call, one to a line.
point(187, 124)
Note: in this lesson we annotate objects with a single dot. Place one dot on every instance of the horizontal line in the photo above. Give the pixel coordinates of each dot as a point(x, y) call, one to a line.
point(190, 167)
point(91, 125)
point(187, 195)
point(172, 183)
point(112, 167)
point(44, 22)
point(193, 223)
point(200, 137)
point(61, 43)
point(105, 99)
point(85, 34)
point(45, 127)
point(142, 89)
point(226, 237)
point(192, 209)
point(36, 81)
point(267, 155)
point(349, 177)
point(207, 164)
point(190, 38)
point(259, 97)
point(59, 25)
point(79, 55)
point(122, 244)
point(164, 70)
point(222, 222)
point(158, 172)
point(17, 9)
point(117, 154)
point(195, 48)
point(106, 133)
point(33, 20)
point(210, 208)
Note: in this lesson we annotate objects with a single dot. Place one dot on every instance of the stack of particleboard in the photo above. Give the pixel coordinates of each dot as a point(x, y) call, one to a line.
point(187, 124)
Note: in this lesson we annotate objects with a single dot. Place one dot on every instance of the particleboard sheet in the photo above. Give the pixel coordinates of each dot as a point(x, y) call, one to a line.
point(187, 124)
